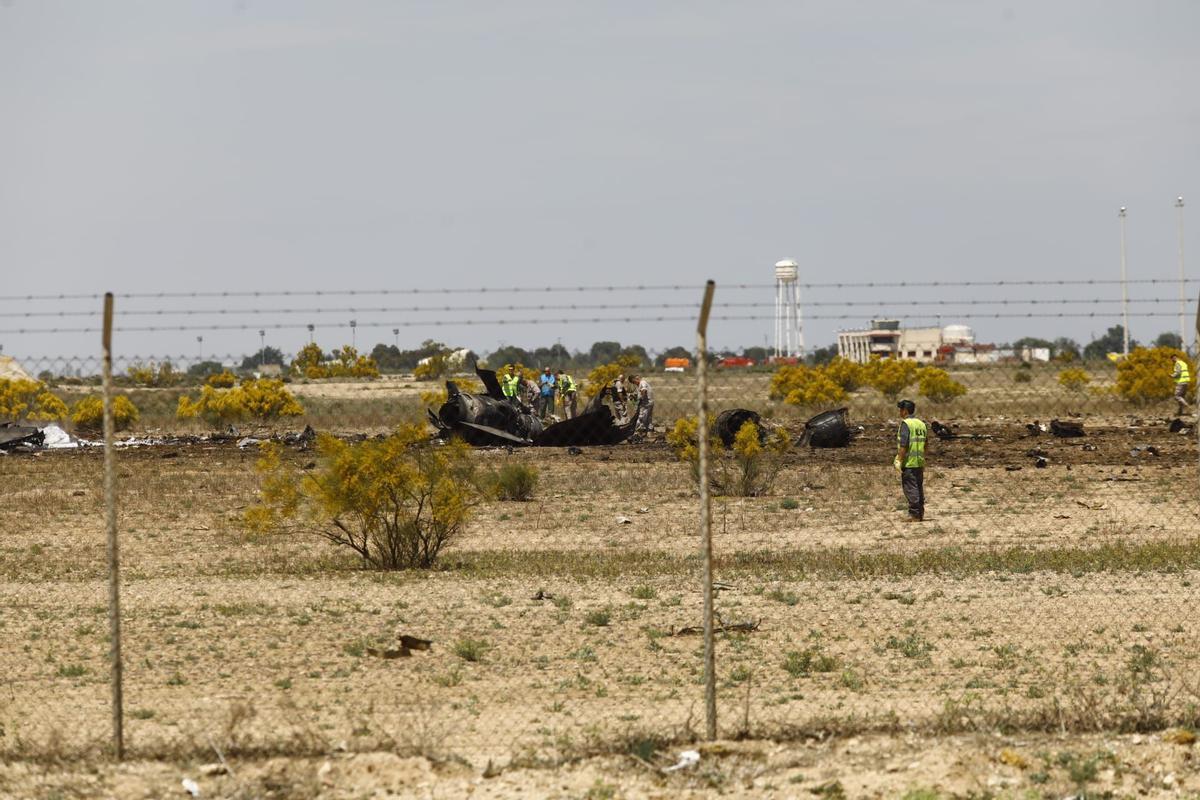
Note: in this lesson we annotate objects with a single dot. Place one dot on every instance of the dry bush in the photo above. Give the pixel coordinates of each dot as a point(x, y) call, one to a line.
point(161, 375)
point(261, 399)
point(438, 366)
point(747, 469)
point(395, 502)
point(1144, 376)
point(23, 399)
point(937, 385)
point(311, 363)
point(1074, 378)
point(87, 414)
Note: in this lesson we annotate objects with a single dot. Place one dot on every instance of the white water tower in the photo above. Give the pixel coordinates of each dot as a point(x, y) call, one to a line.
point(789, 327)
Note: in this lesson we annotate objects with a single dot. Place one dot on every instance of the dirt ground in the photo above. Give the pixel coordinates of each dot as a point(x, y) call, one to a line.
point(1053, 604)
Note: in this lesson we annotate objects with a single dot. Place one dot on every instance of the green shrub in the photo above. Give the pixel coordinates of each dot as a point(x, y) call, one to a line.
point(516, 482)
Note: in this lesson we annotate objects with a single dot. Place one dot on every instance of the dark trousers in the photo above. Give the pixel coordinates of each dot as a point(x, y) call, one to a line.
point(912, 481)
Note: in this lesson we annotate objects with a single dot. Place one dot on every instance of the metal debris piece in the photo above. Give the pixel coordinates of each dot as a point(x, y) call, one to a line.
point(542, 594)
point(729, 422)
point(13, 435)
point(748, 626)
point(624, 521)
point(1066, 429)
point(828, 429)
point(414, 643)
point(688, 758)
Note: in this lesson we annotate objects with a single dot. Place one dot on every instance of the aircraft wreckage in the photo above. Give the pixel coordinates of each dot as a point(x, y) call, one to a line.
point(493, 419)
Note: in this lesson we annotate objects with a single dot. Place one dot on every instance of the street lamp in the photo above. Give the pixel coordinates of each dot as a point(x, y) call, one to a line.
point(1124, 288)
point(262, 349)
point(1182, 298)
point(353, 338)
point(310, 333)
point(396, 333)
point(200, 346)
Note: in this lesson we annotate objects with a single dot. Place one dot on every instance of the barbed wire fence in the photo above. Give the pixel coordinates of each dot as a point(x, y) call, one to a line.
point(1048, 586)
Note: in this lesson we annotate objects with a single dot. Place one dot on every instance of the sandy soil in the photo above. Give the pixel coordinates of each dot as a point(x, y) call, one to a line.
point(261, 647)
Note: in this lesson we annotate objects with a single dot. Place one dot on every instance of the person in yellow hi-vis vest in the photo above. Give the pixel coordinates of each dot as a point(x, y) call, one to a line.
point(569, 394)
point(1183, 378)
point(910, 459)
point(510, 385)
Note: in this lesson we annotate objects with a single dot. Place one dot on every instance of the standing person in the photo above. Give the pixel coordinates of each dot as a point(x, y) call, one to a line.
point(531, 393)
point(645, 404)
point(546, 389)
point(618, 396)
point(1183, 377)
point(567, 390)
point(910, 459)
point(510, 384)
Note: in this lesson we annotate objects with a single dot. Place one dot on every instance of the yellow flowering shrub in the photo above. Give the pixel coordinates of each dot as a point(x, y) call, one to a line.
point(260, 399)
point(23, 399)
point(87, 414)
point(395, 502)
point(1144, 376)
point(937, 385)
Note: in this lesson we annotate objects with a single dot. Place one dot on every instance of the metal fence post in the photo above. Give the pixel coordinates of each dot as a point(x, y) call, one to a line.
point(710, 674)
point(110, 508)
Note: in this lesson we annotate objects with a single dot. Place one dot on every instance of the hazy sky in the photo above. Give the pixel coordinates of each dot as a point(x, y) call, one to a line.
point(234, 146)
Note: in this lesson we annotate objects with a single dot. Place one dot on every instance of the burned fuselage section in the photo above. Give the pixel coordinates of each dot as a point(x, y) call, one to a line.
point(492, 419)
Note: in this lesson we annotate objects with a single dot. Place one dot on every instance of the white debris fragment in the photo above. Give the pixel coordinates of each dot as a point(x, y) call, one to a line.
point(191, 787)
point(624, 521)
point(688, 758)
point(57, 439)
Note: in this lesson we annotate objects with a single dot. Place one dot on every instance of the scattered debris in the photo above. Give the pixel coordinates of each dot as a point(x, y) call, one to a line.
point(688, 758)
point(191, 787)
point(643, 510)
point(542, 594)
point(1040, 462)
point(1062, 516)
point(721, 586)
point(575, 451)
point(828, 429)
point(407, 645)
point(748, 626)
point(13, 436)
point(213, 769)
point(1089, 447)
point(248, 441)
point(945, 433)
point(1012, 468)
point(1066, 430)
point(1144, 449)
point(1091, 506)
point(624, 521)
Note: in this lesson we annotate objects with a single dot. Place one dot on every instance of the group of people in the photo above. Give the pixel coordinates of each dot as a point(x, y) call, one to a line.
point(553, 390)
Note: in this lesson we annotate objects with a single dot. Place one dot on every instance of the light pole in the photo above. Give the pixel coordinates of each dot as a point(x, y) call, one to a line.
point(1182, 298)
point(200, 346)
point(1124, 288)
point(262, 349)
point(396, 333)
point(310, 333)
point(353, 338)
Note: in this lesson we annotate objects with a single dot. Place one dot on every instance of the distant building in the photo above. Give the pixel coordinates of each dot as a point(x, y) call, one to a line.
point(886, 339)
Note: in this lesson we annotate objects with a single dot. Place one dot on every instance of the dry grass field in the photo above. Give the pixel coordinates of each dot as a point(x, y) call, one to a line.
point(1035, 636)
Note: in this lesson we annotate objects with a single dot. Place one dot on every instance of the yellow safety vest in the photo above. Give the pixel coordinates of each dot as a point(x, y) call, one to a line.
point(510, 384)
point(916, 442)
point(1185, 376)
point(568, 384)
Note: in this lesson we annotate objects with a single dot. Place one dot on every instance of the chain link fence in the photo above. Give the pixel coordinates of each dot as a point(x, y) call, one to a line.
point(1048, 586)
